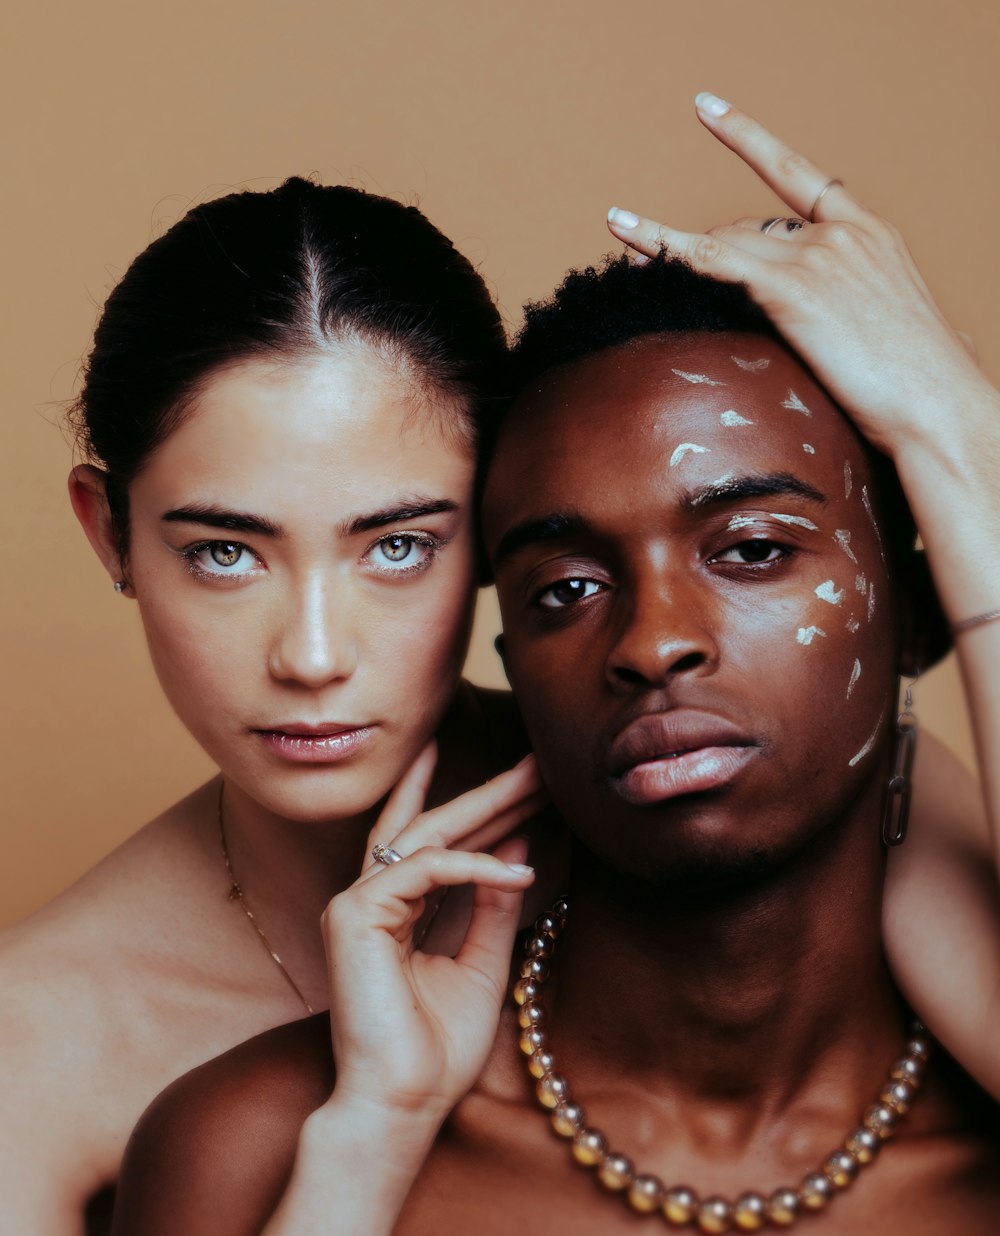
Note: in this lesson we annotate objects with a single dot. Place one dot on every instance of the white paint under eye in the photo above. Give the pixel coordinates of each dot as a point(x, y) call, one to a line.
point(731, 419)
point(853, 625)
point(809, 450)
point(855, 675)
point(683, 449)
point(848, 479)
point(741, 521)
point(798, 520)
point(843, 538)
point(698, 378)
point(806, 635)
point(751, 366)
point(861, 584)
point(827, 591)
point(794, 403)
point(869, 744)
point(871, 602)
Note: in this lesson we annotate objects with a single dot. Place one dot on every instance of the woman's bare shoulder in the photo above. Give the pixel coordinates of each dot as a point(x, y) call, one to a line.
point(214, 1152)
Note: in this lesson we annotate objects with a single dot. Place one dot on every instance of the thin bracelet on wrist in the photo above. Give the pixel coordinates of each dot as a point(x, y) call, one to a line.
point(977, 621)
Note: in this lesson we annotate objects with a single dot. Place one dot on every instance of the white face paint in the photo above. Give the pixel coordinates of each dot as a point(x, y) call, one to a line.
point(740, 521)
point(855, 675)
point(848, 481)
point(853, 626)
point(843, 538)
point(809, 450)
point(798, 520)
point(861, 584)
point(869, 744)
point(866, 502)
point(750, 366)
point(731, 419)
point(806, 635)
point(827, 591)
point(795, 404)
point(701, 378)
point(683, 449)
point(871, 602)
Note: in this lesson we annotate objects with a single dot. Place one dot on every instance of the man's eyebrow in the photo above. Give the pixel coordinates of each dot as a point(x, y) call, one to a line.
point(739, 488)
point(398, 513)
point(536, 532)
point(220, 517)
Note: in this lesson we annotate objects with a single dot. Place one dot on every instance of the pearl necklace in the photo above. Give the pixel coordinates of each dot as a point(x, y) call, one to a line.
point(680, 1205)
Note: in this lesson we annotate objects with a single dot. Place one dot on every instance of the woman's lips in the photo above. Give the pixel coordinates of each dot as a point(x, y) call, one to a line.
point(319, 745)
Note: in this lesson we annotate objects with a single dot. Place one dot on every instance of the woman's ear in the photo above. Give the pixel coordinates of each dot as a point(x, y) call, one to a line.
point(926, 634)
point(89, 498)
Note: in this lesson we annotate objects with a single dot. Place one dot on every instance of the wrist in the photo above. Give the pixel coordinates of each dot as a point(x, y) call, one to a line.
point(370, 1125)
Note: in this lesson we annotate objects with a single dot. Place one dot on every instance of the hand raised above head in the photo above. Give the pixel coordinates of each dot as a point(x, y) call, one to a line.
point(835, 279)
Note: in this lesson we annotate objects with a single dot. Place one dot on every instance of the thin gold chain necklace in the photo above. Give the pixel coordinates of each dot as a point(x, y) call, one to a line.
point(680, 1206)
point(236, 894)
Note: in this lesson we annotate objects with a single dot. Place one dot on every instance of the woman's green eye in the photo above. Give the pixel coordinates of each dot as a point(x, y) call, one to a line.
point(225, 553)
point(396, 548)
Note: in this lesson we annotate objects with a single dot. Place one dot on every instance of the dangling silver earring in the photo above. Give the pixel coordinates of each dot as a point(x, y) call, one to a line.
point(897, 799)
point(120, 585)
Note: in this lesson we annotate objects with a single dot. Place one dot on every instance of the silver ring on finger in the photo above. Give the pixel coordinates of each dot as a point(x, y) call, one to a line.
point(385, 854)
point(766, 226)
point(830, 184)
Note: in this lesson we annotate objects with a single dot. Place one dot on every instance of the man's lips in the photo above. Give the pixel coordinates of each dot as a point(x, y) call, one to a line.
point(663, 755)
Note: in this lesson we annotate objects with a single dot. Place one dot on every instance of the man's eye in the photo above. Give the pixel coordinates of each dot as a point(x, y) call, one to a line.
point(566, 591)
point(750, 552)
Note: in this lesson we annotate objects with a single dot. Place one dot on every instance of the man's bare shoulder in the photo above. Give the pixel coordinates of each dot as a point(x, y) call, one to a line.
point(214, 1152)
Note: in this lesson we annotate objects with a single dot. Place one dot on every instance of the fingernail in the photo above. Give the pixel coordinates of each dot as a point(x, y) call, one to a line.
point(520, 868)
point(622, 218)
point(711, 104)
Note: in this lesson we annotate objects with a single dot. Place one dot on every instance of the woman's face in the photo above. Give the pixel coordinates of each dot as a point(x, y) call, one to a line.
point(301, 550)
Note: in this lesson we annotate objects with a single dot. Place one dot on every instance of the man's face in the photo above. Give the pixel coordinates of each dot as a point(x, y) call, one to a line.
point(698, 620)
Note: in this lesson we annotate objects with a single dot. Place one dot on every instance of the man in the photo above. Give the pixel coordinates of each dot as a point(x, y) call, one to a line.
point(709, 590)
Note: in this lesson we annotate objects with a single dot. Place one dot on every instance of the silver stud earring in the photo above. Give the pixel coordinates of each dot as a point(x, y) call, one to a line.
point(120, 585)
point(897, 801)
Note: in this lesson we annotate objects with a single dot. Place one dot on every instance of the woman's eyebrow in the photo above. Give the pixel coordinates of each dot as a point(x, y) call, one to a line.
point(740, 488)
point(220, 517)
point(401, 511)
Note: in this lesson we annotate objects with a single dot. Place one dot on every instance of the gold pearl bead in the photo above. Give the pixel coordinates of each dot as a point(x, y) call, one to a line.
point(616, 1172)
point(568, 1118)
point(526, 989)
point(530, 1014)
point(841, 1168)
point(589, 1147)
point(540, 1063)
point(898, 1095)
point(680, 1204)
point(552, 1090)
point(531, 1041)
point(783, 1207)
point(750, 1212)
point(547, 925)
point(646, 1194)
point(919, 1047)
point(881, 1119)
point(540, 946)
point(536, 968)
point(908, 1069)
point(715, 1215)
point(864, 1144)
point(561, 908)
point(815, 1191)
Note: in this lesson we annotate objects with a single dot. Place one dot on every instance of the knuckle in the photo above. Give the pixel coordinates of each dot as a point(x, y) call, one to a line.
point(707, 250)
point(791, 163)
point(839, 234)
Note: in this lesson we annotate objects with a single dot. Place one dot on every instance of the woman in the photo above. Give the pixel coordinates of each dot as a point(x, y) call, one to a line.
point(404, 1053)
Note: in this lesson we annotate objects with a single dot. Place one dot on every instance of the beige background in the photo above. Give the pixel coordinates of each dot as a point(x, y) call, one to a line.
point(515, 125)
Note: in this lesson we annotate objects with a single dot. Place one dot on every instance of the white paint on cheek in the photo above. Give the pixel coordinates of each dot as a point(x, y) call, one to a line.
point(866, 502)
point(869, 744)
point(861, 584)
point(794, 403)
point(848, 481)
point(809, 450)
point(828, 592)
point(853, 625)
point(871, 602)
point(806, 635)
point(683, 449)
point(855, 675)
point(697, 378)
point(797, 520)
point(731, 419)
point(843, 538)
point(750, 366)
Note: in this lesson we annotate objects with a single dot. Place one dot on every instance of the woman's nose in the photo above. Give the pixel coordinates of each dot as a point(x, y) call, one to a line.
point(315, 640)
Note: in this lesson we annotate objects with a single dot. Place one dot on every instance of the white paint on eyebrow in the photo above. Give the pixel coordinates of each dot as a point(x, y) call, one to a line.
point(799, 520)
point(751, 366)
point(741, 521)
point(827, 591)
point(701, 378)
point(805, 635)
point(809, 450)
point(871, 602)
point(848, 482)
point(866, 502)
point(861, 584)
point(795, 403)
point(843, 538)
point(855, 675)
point(731, 419)
point(853, 625)
point(683, 449)
point(869, 744)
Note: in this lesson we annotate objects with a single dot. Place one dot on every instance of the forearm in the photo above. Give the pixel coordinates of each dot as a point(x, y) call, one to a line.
point(354, 1168)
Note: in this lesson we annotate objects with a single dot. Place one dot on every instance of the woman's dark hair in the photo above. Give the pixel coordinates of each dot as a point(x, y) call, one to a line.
point(280, 273)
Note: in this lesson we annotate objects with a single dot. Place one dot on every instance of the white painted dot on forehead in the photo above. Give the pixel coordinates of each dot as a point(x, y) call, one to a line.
point(731, 418)
point(848, 481)
point(855, 675)
point(795, 404)
point(869, 744)
point(751, 366)
point(809, 450)
point(698, 378)
point(806, 635)
point(843, 538)
point(827, 591)
point(684, 449)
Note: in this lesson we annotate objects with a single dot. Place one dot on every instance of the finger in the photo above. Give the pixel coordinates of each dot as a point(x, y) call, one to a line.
point(790, 174)
point(406, 800)
point(704, 253)
point(489, 941)
point(778, 245)
point(778, 227)
point(386, 900)
point(969, 344)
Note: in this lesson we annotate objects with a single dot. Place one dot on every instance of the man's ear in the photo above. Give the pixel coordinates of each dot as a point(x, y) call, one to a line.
point(926, 636)
point(88, 496)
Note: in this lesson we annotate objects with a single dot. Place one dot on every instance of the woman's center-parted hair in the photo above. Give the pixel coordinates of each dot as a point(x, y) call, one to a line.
point(280, 274)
